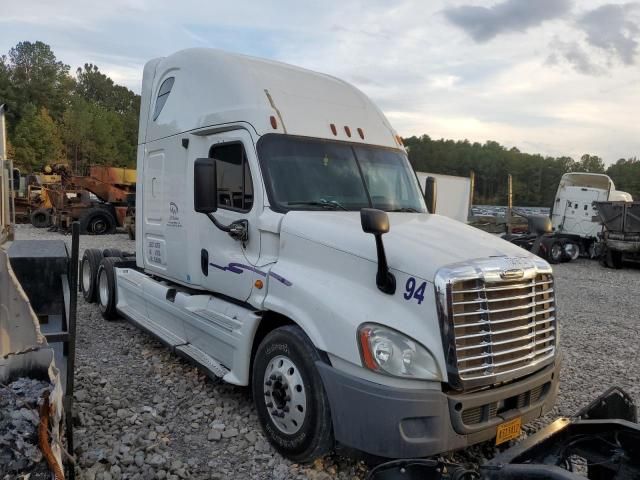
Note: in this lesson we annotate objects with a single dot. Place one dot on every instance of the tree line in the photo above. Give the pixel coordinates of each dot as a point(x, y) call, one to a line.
point(535, 177)
point(86, 119)
point(55, 117)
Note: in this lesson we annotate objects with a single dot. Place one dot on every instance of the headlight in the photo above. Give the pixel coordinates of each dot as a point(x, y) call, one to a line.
point(385, 350)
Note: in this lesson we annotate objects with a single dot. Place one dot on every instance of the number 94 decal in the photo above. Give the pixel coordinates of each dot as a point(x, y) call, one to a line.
point(413, 290)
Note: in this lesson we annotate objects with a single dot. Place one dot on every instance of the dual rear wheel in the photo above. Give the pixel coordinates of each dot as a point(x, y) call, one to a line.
point(98, 281)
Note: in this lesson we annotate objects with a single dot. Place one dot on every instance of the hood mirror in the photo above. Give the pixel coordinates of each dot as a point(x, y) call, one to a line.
point(376, 222)
point(430, 194)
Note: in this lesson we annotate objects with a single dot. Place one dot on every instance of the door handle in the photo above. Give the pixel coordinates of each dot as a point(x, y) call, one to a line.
point(204, 262)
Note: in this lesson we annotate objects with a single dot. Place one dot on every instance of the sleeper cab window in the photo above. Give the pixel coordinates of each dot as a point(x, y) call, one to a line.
point(163, 94)
point(235, 188)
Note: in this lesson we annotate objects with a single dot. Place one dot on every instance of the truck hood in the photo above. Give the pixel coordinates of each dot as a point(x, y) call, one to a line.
point(417, 244)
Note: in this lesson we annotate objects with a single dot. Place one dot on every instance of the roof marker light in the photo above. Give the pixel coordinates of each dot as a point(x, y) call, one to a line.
point(361, 133)
point(274, 122)
point(399, 139)
point(347, 130)
point(334, 130)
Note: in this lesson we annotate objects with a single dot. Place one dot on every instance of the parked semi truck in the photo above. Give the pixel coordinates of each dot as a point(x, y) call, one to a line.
point(574, 214)
point(283, 242)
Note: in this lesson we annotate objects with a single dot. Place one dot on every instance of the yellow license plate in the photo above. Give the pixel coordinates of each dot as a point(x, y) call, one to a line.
point(508, 430)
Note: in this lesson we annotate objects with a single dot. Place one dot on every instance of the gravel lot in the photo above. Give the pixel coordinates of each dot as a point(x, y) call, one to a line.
point(144, 413)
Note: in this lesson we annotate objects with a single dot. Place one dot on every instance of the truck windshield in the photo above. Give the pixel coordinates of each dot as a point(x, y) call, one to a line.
point(315, 174)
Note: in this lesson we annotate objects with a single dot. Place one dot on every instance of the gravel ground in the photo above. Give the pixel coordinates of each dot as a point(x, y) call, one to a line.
point(20, 454)
point(144, 413)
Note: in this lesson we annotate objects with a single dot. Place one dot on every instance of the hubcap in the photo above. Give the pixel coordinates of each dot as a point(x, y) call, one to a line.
point(99, 226)
point(86, 275)
point(284, 395)
point(556, 251)
point(104, 288)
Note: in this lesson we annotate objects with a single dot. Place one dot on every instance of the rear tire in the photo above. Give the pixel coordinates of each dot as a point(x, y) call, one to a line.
point(555, 252)
point(106, 287)
point(613, 259)
point(89, 273)
point(112, 252)
point(41, 218)
point(570, 250)
point(289, 395)
point(97, 221)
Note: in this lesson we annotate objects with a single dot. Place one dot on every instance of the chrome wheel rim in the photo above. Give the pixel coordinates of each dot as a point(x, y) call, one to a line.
point(571, 249)
point(103, 288)
point(556, 251)
point(86, 275)
point(284, 395)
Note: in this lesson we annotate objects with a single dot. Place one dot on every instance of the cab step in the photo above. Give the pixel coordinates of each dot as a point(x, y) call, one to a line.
point(212, 367)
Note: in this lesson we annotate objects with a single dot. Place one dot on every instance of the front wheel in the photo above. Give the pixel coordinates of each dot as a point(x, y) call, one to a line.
point(292, 405)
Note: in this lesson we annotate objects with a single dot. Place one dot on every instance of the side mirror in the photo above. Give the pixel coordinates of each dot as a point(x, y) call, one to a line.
point(376, 222)
point(430, 194)
point(205, 186)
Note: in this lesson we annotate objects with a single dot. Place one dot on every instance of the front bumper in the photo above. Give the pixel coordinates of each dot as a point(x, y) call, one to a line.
point(398, 423)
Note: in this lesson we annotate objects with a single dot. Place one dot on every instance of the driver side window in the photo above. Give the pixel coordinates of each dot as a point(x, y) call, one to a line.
point(235, 188)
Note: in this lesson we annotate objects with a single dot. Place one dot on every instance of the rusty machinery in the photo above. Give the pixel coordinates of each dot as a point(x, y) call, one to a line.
point(100, 201)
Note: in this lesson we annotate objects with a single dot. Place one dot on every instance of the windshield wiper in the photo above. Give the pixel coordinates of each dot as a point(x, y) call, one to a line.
point(405, 209)
point(328, 204)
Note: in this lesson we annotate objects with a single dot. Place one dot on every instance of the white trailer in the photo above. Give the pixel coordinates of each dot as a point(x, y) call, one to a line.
point(453, 196)
point(574, 214)
point(283, 242)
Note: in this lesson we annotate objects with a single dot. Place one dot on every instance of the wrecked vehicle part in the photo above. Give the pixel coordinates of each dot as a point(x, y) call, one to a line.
point(604, 448)
point(594, 443)
point(601, 442)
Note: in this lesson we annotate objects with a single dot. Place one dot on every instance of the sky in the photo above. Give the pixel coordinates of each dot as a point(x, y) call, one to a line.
point(557, 77)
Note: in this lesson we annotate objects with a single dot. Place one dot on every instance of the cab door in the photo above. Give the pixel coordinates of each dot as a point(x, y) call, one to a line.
point(228, 265)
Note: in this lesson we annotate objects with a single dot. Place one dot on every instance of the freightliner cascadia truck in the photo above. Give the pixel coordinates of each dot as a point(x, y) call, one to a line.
point(284, 242)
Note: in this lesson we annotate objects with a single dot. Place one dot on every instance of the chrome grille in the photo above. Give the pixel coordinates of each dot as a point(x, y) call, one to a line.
point(498, 329)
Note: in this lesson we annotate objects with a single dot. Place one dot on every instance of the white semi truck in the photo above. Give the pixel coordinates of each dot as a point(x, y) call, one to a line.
point(283, 242)
point(575, 216)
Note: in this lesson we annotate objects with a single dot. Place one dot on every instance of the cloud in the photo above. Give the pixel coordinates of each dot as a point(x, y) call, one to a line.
point(575, 55)
point(403, 54)
point(484, 23)
point(615, 29)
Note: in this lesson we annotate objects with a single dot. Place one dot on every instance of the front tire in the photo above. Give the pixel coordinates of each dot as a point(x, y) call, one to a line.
point(292, 405)
point(106, 283)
